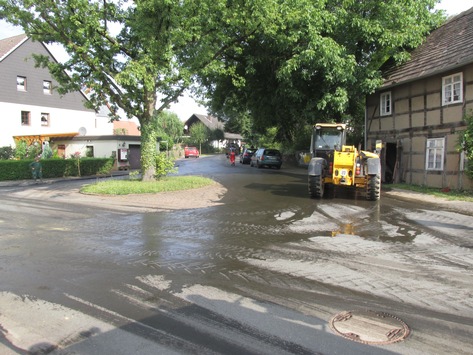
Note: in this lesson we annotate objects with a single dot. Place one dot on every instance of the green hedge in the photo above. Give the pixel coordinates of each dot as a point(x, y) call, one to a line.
point(54, 168)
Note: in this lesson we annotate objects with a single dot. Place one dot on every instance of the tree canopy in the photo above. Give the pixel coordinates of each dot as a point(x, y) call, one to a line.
point(199, 134)
point(168, 127)
point(129, 53)
point(282, 64)
point(318, 61)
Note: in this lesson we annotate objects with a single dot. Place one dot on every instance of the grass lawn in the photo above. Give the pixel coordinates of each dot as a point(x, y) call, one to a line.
point(132, 186)
point(458, 195)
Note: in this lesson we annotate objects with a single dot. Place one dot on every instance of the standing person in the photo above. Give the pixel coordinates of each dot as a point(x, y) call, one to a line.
point(37, 169)
point(232, 156)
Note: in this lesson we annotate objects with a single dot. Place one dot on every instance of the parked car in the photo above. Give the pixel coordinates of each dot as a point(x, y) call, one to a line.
point(191, 152)
point(245, 157)
point(266, 157)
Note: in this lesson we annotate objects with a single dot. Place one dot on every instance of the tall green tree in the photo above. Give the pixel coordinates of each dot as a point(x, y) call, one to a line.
point(168, 126)
point(199, 133)
point(317, 61)
point(217, 135)
point(129, 53)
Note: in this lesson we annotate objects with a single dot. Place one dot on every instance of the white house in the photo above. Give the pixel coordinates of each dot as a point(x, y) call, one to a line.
point(213, 123)
point(31, 107)
point(33, 111)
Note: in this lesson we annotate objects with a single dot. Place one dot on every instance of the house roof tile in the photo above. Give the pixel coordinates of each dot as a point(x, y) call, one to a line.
point(130, 128)
point(448, 47)
point(210, 121)
point(9, 44)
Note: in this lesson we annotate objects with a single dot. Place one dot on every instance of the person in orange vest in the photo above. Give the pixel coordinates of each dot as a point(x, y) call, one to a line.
point(232, 156)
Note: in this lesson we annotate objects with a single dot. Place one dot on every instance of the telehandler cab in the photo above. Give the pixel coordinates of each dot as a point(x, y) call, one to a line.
point(335, 164)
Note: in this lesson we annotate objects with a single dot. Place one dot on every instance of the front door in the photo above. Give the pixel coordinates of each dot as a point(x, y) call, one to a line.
point(134, 156)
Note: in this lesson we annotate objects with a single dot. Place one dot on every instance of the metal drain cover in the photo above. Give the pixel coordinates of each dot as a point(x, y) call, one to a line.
point(369, 327)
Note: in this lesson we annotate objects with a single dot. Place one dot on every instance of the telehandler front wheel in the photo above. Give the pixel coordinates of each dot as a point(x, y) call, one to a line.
point(373, 187)
point(316, 186)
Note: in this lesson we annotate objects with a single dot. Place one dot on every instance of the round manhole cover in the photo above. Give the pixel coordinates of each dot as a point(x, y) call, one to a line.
point(369, 327)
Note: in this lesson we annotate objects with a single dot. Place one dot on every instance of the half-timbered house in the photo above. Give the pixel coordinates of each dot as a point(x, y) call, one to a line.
point(419, 110)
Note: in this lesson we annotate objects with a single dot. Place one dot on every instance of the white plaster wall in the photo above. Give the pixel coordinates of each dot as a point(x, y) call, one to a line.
point(61, 121)
point(102, 149)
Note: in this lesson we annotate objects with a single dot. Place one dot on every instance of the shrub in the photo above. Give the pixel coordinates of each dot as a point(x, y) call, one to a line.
point(164, 166)
point(7, 153)
point(466, 144)
point(25, 151)
point(47, 152)
point(54, 168)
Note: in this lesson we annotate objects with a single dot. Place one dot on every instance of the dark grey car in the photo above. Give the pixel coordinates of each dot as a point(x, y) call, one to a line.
point(245, 157)
point(266, 157)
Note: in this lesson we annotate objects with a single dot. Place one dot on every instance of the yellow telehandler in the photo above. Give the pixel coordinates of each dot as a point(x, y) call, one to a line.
point(335, 164)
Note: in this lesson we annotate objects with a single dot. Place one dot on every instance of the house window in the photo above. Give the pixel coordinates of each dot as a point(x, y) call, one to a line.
point(21, 83)
point(385, 104)
point(45, 119)
point(89, 151)
point(434, 154)
point(452, 89)
point(47, 87)
point(25, 118)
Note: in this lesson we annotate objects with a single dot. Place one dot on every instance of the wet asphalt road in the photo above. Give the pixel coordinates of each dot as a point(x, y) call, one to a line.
point(264, 273)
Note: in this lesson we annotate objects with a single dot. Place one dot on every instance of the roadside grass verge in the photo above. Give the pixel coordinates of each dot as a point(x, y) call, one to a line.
point(453, 195)
point(165, 184)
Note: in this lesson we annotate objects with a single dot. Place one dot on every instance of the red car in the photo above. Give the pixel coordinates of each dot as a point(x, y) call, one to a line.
point(191, 152)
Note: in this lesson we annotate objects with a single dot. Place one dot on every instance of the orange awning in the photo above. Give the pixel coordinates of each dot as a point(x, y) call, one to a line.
point(40, 138)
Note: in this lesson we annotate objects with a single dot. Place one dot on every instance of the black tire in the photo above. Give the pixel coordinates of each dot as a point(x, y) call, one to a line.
point(373, 187)
point(316, 186)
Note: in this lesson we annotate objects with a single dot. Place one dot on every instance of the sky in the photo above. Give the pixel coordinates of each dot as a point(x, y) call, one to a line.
point(186, 106)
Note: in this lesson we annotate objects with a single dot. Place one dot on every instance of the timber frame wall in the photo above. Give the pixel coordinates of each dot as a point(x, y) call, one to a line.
point(417, 114)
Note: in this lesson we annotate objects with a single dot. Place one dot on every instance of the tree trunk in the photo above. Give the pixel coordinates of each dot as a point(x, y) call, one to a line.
point(148, 152)
point(148, 136)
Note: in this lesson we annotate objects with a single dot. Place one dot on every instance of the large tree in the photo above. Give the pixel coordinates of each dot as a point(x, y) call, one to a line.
point(168, 127)
point(317, 61)
point(199, 133)
point(130, 53)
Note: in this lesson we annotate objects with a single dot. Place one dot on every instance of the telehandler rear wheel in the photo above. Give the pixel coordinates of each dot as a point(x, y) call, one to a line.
point(373, 187)
point(316, 186)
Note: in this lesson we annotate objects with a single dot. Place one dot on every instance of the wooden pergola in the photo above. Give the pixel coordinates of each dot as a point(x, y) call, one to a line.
point(40, 138)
